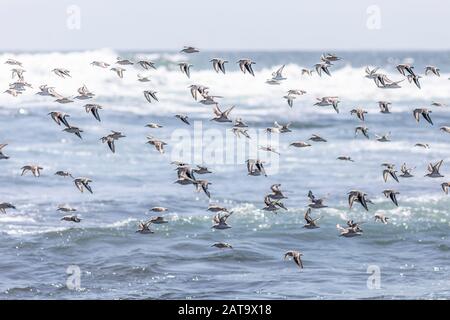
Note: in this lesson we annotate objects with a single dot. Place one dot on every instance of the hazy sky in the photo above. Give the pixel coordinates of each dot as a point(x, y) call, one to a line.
point(229, 25)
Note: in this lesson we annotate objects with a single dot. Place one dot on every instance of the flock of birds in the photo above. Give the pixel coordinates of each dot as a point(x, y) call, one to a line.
point(188, 175)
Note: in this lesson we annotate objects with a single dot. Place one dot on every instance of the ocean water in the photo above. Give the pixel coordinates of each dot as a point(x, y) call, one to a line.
point(411, 253)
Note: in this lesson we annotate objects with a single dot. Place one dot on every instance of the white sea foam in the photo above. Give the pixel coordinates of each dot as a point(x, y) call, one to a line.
point(349, 83)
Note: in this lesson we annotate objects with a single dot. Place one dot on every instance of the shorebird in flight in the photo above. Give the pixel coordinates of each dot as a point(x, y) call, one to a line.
point(414, 78)
point(221, 116)
point(384, 106)
point(189, 49)
point(278, 75)
point(158, 209)
point(276, 194)
point(6, 205)
point(153, 125)
point(222, 245)
point(434, 170)
point(255, 167)
point(425, 114)
point(220, 221)
point(202, 185)
point(13, 62)
point(149, 95)
point(93, 108)
point(71, 219)
point(363, 129)
point(158, 144)
point(185, 68)
point(317, 138)
point(296, 92)
point(63, 174)
point(201, 170)
point(238, 122)
point(83, 183)
point(404, 67)
point(75, 130)
point(110, 138)
point(65, 208)
point(100, 64)
point(290, 99)
point(144, 227)
point(406, 172)
point(300, 144)
point(389, 171)
point(328, 101)
point(349, 231)
point(445, 129)
point(246, 66)
point(124, 62)
point(359, 113)
point(445, 186)
point(146, 64)
point(60, 117)
point(316, 203)
point(84, 93)
point(219, 65)
point(392, 194)
point(217, 208)
point(61, 72)
point(183, 118)
point(422, 145)
point(119, 71)
point(296, 256)
point(34, 169)
point(357, 196)
point(345, 158)
point(381, 217)
point(238, 131)
point(310, 222)
point(142, 78)
point(383, 138)
point(269, 148)
point(322, 67)
point(432, 69)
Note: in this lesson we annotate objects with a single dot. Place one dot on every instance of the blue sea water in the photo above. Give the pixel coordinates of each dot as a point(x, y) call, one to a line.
point(412, 252)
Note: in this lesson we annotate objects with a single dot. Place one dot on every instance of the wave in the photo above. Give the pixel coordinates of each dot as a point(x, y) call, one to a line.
point(252, 93)
point(428, 208)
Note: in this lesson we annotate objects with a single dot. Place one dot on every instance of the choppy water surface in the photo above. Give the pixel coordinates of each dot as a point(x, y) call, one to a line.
point(177, 261)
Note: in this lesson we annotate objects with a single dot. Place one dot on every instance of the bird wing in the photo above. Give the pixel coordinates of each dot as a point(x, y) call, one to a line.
point(79, 185)
point(217, 110)
point(111, 145)
point(416, 114)
point(393, 175)
point(298, 261)
point(307, 216)
point(351, 199)
point(393, 198)
point(216, 65)
point(249, 68)
point(227, 112)
point(363, 202)
point(85, 184)
point(205, 189)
